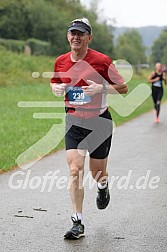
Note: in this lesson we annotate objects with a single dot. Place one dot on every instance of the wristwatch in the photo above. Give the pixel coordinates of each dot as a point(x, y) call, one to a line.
point(104, 90)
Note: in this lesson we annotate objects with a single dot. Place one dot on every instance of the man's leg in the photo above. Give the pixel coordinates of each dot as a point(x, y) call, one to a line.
point(76, 165)
point(98, 169)
point(98, 157)
point(99, 173)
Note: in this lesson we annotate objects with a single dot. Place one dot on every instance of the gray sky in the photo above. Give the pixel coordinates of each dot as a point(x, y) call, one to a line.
point(132, 13)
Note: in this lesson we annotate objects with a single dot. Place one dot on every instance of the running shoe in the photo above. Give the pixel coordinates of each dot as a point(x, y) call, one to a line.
point(103, 198)
point(76, 231)
point(157, 120)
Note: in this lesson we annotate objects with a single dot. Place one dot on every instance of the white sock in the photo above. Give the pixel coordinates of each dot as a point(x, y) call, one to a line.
point(78, 216)
point(102, 186)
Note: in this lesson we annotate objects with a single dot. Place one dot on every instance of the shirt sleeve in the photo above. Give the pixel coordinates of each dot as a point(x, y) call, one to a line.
point(56, 78)
point(110, 72)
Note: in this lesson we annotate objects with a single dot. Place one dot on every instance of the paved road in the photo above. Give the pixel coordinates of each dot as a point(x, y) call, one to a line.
point(34, 216)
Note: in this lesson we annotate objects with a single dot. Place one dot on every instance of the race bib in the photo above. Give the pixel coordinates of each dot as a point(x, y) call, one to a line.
point(76, 96)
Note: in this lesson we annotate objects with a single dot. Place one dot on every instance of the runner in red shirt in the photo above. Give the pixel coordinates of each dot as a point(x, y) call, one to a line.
point(86, 76)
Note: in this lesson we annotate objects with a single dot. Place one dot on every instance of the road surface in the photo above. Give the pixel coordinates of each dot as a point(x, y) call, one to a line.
point(35, 209)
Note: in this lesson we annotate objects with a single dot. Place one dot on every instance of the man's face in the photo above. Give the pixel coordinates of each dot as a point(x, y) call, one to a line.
point(78, 40)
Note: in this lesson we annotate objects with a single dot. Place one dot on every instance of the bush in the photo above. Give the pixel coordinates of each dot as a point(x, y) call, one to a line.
point(13, 45)
point(38, 47)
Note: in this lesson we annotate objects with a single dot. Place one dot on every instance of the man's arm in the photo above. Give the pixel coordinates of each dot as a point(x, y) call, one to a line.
point(95, 88)
point(113, 81)
point(58, 89)
point(117, 88)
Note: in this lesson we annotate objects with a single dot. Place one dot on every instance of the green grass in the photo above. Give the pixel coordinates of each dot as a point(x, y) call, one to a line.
point(19, 130)
point(144, 107)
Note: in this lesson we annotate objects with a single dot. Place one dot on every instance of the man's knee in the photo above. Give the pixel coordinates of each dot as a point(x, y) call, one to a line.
point(99, 176)
point(76, 171)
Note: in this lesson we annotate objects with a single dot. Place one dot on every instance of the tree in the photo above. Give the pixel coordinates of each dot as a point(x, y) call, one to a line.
point(130, 47)
point(159, 49)
point(102, 39)
point(14, 22)
point(48, 20)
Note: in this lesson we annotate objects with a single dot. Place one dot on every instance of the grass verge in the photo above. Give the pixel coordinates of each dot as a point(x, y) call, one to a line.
point(19, 130)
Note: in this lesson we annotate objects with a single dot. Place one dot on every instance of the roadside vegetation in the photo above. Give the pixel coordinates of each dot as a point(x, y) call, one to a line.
point(19, 130)
point(32, 35)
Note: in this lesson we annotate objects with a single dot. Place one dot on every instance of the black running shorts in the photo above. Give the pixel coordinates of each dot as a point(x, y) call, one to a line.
point(93, 134)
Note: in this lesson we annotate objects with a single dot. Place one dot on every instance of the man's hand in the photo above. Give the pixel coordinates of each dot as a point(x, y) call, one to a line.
point(58, 89)
point(92, 89)
point(95, 88)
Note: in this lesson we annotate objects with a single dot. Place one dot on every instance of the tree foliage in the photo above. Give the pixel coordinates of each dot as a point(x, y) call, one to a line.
point(47, 20)
point(130, 47)
point(14, 19)
point(159, 49)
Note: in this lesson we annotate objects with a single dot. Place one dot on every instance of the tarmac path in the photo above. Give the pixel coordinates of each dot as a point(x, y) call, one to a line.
point(35, 215)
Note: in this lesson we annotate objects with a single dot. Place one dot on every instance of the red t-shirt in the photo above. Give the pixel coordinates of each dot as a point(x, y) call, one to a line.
point(94, 66)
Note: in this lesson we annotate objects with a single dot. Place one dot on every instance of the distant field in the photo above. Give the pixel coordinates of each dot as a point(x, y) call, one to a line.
point(19, 130)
